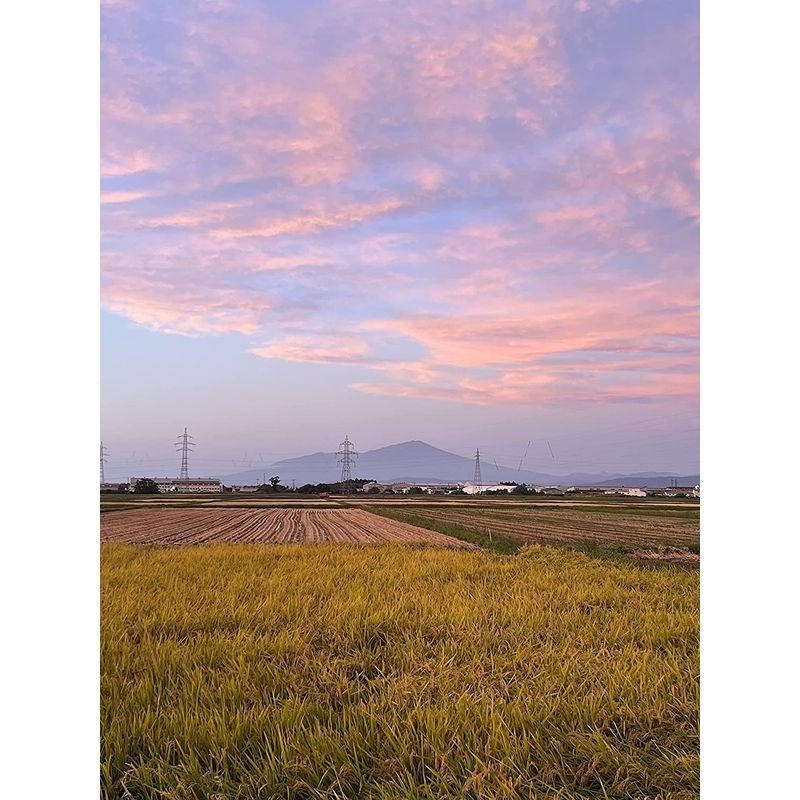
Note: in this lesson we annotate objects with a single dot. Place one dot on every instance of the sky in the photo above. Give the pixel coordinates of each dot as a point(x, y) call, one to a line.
point(471, 223)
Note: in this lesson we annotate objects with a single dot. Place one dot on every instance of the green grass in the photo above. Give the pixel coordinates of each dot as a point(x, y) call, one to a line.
point(652, 511)
point(478, 535)
point(244, 671)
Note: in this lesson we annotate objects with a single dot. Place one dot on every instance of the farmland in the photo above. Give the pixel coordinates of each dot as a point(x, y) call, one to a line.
point(674, 531)
point(192, 526)
point(388, 672)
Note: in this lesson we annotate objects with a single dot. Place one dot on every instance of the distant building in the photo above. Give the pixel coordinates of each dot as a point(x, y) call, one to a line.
point(439, 488)
point(240, 488)
point(634, 492)
point(471, 488)
point(403, 488)
point(184, 485)
point(554, 490)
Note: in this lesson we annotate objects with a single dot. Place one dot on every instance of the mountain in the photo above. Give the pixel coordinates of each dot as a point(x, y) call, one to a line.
point(649, 480)
point(419, 462)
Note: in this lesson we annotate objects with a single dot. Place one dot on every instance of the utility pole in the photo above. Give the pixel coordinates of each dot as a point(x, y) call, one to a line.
point(477, 481)
point(347, 456)
point(103, 454)
point(184, 445)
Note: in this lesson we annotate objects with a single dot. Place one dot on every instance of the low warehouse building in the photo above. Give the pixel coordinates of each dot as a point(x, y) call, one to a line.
point(471, 488)
point(185, 485)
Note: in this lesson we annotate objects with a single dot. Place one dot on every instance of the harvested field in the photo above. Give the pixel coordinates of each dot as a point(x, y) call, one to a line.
point(191, 526)
point(672, 555)
point(564, 526)
point(519, 505)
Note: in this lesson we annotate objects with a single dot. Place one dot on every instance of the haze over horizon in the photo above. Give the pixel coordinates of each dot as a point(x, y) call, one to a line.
point(473, 226)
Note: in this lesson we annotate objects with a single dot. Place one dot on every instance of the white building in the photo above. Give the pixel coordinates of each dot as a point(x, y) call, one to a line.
point(471, 488)
point(635, 492)
point(439, 488)
point(184, 485)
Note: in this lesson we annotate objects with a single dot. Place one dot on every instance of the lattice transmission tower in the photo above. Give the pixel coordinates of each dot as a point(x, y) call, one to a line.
point(103, 460)
point(347, 456)
point(184, 445)
point(477, 481)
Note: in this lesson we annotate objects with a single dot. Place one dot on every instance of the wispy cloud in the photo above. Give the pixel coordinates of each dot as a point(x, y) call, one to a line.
point(497, 203)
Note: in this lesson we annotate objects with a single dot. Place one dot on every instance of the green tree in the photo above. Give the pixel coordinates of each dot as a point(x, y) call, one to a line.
point(146, 486)
point(274, 481)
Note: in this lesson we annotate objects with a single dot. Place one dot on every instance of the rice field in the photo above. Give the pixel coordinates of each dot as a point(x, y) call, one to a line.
point(193, 526)
point(643, 530)
point(395, 672)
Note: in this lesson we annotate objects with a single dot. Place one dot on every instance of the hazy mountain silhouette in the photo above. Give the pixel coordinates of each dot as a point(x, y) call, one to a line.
point(419, 462)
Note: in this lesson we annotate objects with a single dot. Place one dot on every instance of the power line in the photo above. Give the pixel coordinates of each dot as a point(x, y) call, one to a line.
point(527, 446)
point(185, 446)
point(347, 456)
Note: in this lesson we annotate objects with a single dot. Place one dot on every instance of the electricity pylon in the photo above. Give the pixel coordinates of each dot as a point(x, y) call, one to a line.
point(347, 456)
point(103, 454)
point(477, 481)
point(184, 445)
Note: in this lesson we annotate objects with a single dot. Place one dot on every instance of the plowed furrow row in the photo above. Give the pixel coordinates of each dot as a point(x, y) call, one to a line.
point(180, 527)
point(575, 527)
point(153, 526)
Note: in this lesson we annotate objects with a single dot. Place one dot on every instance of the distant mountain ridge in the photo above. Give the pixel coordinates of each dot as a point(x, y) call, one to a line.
point(419, 462)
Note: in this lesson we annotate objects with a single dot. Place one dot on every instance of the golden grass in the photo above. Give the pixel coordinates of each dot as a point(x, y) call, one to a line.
point(333, 671)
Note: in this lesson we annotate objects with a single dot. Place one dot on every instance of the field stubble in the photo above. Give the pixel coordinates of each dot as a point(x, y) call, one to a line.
point(192, 526)
point(659, 533)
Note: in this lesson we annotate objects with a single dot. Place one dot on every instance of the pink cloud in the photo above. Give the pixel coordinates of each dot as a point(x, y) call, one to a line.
point(627, 343)
point(321, 219)
point(315, 349)
point(116, 163)
point(123, 197)
point(539, 389)
point(202, 216)
point(181, 309)
point(629, 318)
point(440, 178)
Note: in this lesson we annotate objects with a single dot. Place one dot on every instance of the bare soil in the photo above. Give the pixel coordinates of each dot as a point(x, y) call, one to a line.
point(190, 526)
